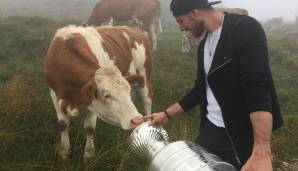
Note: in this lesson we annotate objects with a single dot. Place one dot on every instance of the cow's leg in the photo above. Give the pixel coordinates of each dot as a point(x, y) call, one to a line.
point(186, 43)
point(140, 55)
point(138, 22)
point(146, 99)
point(145, 94)
point(158, 25)
point(153, 36)
point(111, 22)
point(63, 125)
point(89, 126)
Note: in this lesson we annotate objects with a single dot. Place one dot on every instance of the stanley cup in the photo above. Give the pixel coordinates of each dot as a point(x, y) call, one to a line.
point(153, 144)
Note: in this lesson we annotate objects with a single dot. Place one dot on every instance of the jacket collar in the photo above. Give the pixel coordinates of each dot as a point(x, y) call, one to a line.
point(219, 59)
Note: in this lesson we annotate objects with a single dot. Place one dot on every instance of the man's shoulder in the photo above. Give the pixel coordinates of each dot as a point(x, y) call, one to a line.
point(242, 24)
point(239, 20)
point(242, 21)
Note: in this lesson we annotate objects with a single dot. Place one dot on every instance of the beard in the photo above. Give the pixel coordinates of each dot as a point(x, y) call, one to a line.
point(198, 29)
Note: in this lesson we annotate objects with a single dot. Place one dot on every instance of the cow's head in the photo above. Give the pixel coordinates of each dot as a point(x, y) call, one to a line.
point(98, 15)
point(109, 97)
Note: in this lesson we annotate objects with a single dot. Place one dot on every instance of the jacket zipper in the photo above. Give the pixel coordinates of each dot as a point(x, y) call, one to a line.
point(233, 146)
point(215, 69)
point(228, 134)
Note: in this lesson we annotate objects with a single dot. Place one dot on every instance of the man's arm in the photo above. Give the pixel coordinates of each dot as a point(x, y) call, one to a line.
point(158, 119)
point(260, 159)
point(255, 84)
point(174, 109)
point(262, 131)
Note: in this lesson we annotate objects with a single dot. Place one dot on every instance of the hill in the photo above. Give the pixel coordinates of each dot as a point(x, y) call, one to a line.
point(28, 133)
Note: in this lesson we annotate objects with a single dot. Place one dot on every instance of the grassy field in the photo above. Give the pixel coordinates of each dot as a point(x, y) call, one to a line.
point(28, 132)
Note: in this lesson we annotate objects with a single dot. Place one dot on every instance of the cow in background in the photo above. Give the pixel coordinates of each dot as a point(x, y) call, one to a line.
point(94, 68)
point(186, 43)
point(146, 13)
point(240, 11)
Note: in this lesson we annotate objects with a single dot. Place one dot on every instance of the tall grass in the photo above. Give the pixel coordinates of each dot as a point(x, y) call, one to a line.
point(28, 132)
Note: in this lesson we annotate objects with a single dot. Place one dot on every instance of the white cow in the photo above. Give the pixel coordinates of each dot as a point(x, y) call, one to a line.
point(92, 68)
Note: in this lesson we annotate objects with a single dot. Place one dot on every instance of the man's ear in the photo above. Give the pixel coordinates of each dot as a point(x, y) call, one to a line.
point(194, 11)
point(198, 13)
point(89, 92)
point(193, 14)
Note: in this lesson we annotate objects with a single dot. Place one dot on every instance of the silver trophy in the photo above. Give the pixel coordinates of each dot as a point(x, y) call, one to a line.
point(153, 143)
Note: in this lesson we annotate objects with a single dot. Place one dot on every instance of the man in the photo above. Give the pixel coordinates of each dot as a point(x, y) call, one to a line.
point(234, 86)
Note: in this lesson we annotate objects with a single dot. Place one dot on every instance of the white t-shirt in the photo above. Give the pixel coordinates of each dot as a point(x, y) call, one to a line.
point(214, 113)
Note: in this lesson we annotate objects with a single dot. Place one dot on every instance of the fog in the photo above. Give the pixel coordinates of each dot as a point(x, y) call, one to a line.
point(260, 9)
point(266, 9)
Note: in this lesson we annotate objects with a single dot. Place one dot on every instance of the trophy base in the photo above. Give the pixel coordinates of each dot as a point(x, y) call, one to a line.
point(187, 156)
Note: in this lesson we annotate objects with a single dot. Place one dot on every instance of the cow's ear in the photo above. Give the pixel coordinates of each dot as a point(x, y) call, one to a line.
point(136, 78)
point(89, 92)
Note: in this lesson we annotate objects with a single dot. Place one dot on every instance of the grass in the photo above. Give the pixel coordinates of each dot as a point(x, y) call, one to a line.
point(28, 133)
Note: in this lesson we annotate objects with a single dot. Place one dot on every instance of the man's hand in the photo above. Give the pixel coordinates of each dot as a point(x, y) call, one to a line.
point(160, 118)
point(136, 121)
point(157, 119)
point(258, 162)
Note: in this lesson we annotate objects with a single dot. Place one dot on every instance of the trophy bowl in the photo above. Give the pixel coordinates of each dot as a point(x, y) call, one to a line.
point(146, 141)
point(154, 145)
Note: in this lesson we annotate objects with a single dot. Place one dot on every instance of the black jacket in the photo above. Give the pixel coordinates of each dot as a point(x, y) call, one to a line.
point(240, 79)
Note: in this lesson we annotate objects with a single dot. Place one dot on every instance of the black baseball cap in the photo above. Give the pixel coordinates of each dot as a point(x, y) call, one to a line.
point(180, 7)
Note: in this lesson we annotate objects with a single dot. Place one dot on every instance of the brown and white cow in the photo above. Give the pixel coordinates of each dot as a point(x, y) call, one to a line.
point(91, 68)
point(146, 13)
point(186, 43)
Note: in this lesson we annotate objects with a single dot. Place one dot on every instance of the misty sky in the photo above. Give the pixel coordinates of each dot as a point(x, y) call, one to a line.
point(266, 9)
